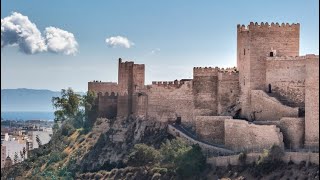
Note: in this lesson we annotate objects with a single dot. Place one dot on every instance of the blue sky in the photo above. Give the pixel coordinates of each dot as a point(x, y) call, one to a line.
point(170, 37)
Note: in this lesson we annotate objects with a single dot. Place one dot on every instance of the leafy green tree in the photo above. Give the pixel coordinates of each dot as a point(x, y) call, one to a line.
point(171, 150)
point(143, 155)
point(90, 109)
point(68, 105)
point(191, 163)
point(79, 110)
point(38, 140)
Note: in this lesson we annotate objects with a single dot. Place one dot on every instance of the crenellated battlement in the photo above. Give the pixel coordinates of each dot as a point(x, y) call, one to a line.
point(205, 71)
point(101, 82)
point(103, 87)
point(228, 75)
point(174, 84)
point(266, 26)
point(108, 94)
point(212, 71)
point(292, 58)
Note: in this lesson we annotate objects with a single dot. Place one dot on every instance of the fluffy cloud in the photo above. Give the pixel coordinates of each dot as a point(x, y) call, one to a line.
point(17, 29)
point(119, 41)
point(60, 41)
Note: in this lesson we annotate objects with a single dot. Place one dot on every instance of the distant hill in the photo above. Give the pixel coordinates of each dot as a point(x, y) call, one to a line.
point(23, 99)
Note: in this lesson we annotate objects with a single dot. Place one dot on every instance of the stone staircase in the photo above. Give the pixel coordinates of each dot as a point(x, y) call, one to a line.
point(286, 102)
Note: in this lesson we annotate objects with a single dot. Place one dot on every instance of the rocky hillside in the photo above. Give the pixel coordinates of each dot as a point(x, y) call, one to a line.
point(71, 151)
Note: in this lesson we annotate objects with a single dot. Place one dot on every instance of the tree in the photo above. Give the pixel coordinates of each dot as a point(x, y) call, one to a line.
point(143, 155)
point(21, 155)
point(91, 108)
point(15, 158)
point(24, 152)
point(79, 110)
point(68, 105)
point(38, 140)
point(170, 150)
point(191, 163)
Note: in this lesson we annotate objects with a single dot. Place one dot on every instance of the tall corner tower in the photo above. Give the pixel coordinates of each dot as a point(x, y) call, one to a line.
point(255, 42)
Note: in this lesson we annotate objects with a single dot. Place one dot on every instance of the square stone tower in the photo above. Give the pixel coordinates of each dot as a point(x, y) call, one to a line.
point(256, 42)
point(131, 78)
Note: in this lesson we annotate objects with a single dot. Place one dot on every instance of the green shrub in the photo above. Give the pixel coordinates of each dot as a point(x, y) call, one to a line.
point(56, 156)
point(143, 155)
point(242, 158)
point(191, 163)
point(67, 129)
point(159, 170)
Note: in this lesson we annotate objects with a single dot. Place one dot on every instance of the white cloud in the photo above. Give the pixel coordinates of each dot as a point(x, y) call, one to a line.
point(18, 30)
point(154, 51)
point(60, 41)
point(119, 41)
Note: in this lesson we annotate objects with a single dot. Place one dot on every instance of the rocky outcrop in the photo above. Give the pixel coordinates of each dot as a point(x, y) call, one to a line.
point(113, 146)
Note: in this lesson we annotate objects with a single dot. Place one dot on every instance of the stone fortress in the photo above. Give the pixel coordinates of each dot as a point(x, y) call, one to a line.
point(271, 98)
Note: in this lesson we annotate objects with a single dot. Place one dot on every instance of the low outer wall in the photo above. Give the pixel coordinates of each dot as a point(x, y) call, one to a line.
point(242, 136)
point(211, 128)
point(266, 108)
point(293, 132)
point(205, 147)
point(295, 157)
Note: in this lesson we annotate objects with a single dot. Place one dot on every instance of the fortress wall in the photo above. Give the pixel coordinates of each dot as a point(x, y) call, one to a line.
point(228, 91)
point(205, 92)
point(287, 78)
point(293, 132)
point(211, 128)
point(107, 105)
point(166, 103)
point(242, 136)
point(266, 108)
point(312, 103)
point(140, 104)
point(103, 87)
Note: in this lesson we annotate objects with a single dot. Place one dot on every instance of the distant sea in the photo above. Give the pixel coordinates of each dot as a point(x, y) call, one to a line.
point(27, 115)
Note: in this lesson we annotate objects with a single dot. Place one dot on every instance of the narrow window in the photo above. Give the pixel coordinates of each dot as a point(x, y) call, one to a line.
point(244, 51)
point(271, 54)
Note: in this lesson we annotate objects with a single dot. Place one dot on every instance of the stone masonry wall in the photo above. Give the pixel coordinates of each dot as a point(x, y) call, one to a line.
point(287, 78)
point(266, 108)
point(205, 91)
point(293, 132)
point(242, 136)
point(211, 128)
point(295, 157)
point(228, 91)
point(103, 87)
point(167, 102)
point(107, 105)
point(312, 103)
